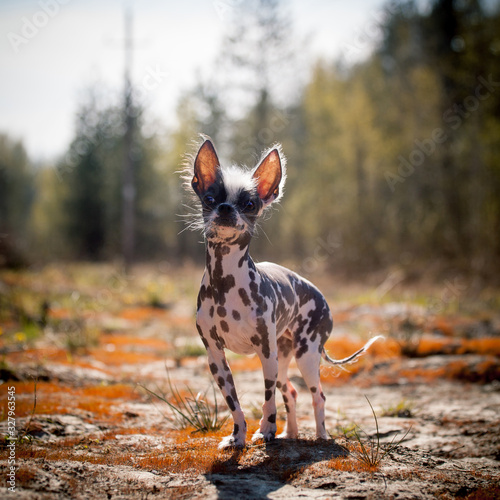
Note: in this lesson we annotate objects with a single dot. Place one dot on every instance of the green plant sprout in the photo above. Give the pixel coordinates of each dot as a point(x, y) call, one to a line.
point(193, 410)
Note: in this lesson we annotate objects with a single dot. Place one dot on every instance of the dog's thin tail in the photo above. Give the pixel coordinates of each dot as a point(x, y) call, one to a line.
point(353, 357)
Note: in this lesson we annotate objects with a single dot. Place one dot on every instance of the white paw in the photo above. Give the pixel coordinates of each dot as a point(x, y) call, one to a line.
point(231, 442)
point(263, 436)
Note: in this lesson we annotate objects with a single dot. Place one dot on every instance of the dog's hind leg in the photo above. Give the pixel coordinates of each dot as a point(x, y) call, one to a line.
point(308, 364)
point(285, 355)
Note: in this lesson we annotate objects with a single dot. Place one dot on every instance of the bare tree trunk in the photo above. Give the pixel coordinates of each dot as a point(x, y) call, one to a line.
point(128, 177)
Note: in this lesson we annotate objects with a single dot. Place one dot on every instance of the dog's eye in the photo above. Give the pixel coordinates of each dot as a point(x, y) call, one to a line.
point(249, 206)
point(208, 200)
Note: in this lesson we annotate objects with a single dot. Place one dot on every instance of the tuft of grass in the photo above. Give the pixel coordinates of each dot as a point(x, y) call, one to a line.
point(369, 450)
point(403, 409)
point(78, 337)
point(192, 409)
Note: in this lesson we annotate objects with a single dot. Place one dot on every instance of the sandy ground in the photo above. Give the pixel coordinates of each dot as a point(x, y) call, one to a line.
point(452, 449)
point(96, 434)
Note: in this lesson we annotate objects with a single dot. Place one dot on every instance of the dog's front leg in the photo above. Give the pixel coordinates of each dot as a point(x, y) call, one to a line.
point(224, 379)
point(267, 427)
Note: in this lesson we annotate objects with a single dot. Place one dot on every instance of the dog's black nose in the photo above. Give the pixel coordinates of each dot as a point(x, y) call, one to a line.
point(225, 209)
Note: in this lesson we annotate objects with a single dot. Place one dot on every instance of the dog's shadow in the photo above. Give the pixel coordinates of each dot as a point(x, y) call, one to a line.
point(258, 470)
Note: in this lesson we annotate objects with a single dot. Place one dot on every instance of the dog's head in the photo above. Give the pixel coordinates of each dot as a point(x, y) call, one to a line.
point(233, 198)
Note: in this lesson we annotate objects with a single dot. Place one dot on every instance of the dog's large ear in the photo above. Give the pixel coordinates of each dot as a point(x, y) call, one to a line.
point(269, 177)
point(206, 167)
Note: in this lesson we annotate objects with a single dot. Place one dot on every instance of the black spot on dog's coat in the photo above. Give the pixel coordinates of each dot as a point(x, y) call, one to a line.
point(244, 297)
point(230, 403)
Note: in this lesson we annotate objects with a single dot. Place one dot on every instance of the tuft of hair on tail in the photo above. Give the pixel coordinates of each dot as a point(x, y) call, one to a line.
point(353, 357)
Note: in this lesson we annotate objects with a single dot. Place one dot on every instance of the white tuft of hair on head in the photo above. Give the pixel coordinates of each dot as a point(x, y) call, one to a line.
point(237, 179)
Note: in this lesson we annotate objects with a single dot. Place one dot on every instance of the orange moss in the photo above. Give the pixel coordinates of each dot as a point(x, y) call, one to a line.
point(55, 398)
point(483, 372)
point(413, 374)
point(71, 453)
point(485, 345)
point(125, 340)
point(433, 345)
point(24, 475)
point(188, 457)
point(443, 325)
point(189, 434)
point(142, 313)
point(47, 403)
point(112, 391)
point(119, 357)
point(350, 464)
point(59, 356)
point(185, 454)
point(450, 371)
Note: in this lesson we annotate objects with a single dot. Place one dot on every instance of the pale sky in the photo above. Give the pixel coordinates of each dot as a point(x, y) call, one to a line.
point(52, 50)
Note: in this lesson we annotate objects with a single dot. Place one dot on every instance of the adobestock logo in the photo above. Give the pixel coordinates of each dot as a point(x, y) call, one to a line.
point(31, 27)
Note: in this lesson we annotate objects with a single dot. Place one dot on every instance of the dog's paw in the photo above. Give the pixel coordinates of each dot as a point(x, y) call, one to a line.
point(263, 436)
point(231, 441)
point(323, 436)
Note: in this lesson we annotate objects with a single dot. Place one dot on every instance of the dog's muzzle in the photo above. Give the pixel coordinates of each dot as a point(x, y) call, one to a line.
point(226, 215)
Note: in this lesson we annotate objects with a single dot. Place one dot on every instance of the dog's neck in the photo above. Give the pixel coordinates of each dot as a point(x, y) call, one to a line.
point(224, 259)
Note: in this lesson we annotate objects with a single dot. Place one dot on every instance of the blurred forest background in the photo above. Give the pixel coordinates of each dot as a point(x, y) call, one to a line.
point(392, 161)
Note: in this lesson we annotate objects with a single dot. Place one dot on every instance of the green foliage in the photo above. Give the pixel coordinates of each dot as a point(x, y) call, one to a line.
point(92, 174)
point(16, 197)
point(397, 149)
point(403, 409)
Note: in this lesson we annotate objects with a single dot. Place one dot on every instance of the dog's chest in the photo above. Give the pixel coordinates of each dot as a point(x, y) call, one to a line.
point(240, 307)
